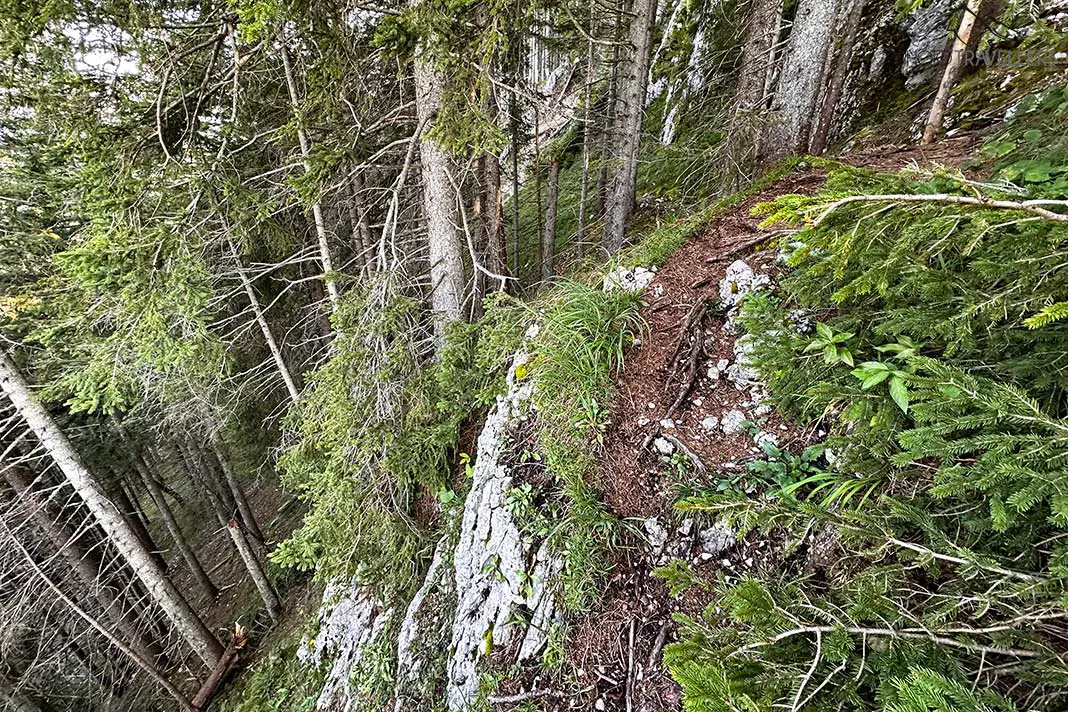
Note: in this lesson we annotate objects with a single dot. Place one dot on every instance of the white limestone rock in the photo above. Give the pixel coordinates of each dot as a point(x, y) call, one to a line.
point(715, 539)
point(634, 279)
point(490, 568)
point(350, 621)
point(733, 422)
point(739, 281)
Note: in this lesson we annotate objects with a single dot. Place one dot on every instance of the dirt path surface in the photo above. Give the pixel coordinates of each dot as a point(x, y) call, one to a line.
point(681, 394)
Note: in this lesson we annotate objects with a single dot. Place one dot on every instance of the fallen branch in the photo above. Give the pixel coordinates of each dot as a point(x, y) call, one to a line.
point(1030, 206)
point(536, 694)
point(908, 633)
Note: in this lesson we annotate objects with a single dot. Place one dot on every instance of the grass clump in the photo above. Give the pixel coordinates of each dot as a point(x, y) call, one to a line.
point(584, 332)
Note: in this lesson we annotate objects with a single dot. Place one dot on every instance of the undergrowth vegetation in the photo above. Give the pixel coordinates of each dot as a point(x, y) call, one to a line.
point(926, 568)
point(582, 336)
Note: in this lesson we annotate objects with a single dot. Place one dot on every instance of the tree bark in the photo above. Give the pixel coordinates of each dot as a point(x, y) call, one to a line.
point(240, 542)
point(548, 236)
point(162, 589)
point(800, 81)
point(208, 588)
point(244, 509)
point(445, 249)
point(255, 571)
point(952, 72)
point(265, 328)
point(838, 77)
point(757, 54)
point(629, 113)
point(361, 226)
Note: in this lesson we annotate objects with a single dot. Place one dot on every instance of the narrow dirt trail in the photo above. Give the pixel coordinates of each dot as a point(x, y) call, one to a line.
point(682, 391)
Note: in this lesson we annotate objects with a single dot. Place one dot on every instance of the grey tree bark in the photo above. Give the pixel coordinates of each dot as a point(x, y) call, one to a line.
point(952, 72)
point(239, 540)
point(184, 619)
point(629, 114)
point(444, 247)
point(799, 85)
point(838, 77)
point(208, 588)
point(265, 328)
point(244, 509)
point(305, 152)
point(757, 53)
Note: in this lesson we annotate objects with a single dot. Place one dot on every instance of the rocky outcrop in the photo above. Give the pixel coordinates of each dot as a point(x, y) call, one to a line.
point(496, 570)
point(351, 622)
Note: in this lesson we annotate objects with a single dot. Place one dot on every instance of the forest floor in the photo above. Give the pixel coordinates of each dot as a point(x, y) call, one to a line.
point(667, 394)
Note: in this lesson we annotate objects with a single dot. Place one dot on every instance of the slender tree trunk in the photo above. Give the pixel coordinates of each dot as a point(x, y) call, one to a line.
point(548, 235)
point(952, 72)
point(171, 523)
point(265, 329)
point(584, 190)
point(493, 222)
point(630, 111)
point(162, 589)
point(361, 226)
point(240, 542)
point(514, 119)
point(244, 509)
point(801, 78)
point(837, 82)
point(305, 152)
point(86, 562)
point(757, 54)
point(255, 571)
point(440, 205)
point(125, 498)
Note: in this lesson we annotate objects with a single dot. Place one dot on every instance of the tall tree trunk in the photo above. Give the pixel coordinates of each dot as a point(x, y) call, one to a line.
point(186, 551)
point(255, 570)
point(548, 235)
point(801, 78)
point(359, 223)
point(244, 509)
point(587, 100)
point(630, 111)
point(952, 72)
point(86, 562)
point(838, 77)
point(265, 328)
point(305, 152)
point(496, 250)
point(237, 537)
point(757, 53)
point(162, 589)
point(440, 205)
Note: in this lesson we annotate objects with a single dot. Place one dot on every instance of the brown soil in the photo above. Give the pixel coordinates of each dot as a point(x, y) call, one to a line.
point(615, 651)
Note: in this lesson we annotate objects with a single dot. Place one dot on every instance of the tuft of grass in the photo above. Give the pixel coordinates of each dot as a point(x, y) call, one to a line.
point(663, 240)
point(584, 334)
